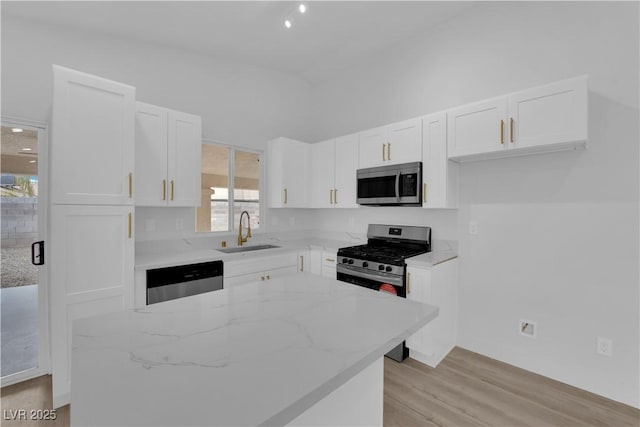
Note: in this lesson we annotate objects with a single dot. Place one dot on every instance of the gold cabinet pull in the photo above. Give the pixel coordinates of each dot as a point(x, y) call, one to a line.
point(268, 277)
point(262, 277)
point(389, 151)
point(330, 259)
point(330, 197)
point(164, 189)
point(130, 185)
point(424, 192)
point(130, 225)
point(172, 187)
point(511, 129)
point(285, 196)
point(383, 159)
point(302, 263)
point(501, 131)
point(408, 283)
point(335, 196)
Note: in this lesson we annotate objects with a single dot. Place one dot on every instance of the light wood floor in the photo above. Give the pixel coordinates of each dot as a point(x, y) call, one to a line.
point(465, 390)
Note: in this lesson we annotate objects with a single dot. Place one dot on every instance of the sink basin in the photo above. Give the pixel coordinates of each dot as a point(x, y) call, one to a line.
point(246, 248)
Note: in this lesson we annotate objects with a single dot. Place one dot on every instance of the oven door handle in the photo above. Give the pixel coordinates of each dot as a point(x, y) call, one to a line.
point(398, 186)
point(396, 281)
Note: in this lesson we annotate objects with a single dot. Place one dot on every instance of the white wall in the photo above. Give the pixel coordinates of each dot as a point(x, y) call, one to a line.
point(239, 105)
point(558, 233)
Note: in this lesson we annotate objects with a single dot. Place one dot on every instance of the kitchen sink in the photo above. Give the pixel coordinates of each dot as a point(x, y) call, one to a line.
point(247, 248)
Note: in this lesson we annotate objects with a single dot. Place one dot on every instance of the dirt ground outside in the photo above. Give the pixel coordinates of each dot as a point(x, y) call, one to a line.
point(17, 269)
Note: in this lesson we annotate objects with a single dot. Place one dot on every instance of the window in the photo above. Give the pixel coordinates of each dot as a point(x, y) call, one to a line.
point(224, 199)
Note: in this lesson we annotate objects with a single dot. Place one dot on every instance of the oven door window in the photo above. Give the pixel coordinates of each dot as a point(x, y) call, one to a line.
point(376, 285)
point(382, 186)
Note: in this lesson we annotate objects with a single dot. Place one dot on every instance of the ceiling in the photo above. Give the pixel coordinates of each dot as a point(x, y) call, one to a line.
point(329, 37)
point(18, 150)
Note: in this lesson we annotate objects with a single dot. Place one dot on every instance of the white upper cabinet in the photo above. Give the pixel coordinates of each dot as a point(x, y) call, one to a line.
point(323, 169)
point(168, 150)
point(439, 175)
point(392, 144)
point(288, 167)
point(549, 115)
point(548, 118)
point(346, 166)
point(333, 173)
point(92, 143)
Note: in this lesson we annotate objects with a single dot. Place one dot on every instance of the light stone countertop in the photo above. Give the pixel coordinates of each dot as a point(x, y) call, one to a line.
point(261, 353)
point(430, 259)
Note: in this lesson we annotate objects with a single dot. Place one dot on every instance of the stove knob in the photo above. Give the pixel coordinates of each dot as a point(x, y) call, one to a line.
point(365, 264)
point(389, 268)
point(350, 261)
point(381, 267)
point(344, 260)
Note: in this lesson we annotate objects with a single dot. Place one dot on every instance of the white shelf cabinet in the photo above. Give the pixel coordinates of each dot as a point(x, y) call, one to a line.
point(333, 173)
point(439, 175)
point(436, 286)
point(391, 144)
point(92, 141)
point(288, 167)
point(547, 118)
point(168, 150)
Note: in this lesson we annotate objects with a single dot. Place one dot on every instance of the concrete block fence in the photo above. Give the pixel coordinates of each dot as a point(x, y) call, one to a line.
point(19, 221)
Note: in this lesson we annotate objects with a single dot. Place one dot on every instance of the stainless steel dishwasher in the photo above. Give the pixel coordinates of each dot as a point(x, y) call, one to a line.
point(164, 284)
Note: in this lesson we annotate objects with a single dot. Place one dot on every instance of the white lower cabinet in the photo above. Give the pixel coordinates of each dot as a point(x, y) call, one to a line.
point(436, 286)
point(329, 260)
point(238, 272)
point(91, 273)
point(310, 261)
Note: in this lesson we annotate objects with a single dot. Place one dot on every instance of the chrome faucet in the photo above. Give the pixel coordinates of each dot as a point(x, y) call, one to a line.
point(241, 239)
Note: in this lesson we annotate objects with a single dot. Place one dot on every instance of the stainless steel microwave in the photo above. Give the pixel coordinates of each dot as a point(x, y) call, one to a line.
point(393, 185)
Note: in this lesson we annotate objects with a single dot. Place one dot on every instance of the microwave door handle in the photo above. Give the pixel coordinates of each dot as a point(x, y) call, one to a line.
point(398, 186)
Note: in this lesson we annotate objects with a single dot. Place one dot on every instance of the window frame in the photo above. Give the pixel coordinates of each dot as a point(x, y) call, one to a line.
point(230, 185)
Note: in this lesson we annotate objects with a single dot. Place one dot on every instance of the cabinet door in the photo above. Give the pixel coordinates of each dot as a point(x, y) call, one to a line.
point(440, 177)
point(346, 166)
point(477, 128)
point(184, 151)
point(404, 142)
point(275, 172)
point(304, 261)
point(550, 114)
point(296, 169)
point(92, 143)
point(315, 265)
point(279, 272)
point(91, 269)
point(322, 174)
point(151, 155)
point(419, 290)
point(373, 147)
point(329, 262)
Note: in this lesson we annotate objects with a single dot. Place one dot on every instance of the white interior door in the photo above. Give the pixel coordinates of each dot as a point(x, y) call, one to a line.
point(25, 326)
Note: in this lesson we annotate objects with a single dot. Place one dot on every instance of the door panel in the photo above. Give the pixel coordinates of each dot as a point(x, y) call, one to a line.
point(404, 143)
point(477, 128)
point(185, 138)
point(346, 166)
point(151, 155)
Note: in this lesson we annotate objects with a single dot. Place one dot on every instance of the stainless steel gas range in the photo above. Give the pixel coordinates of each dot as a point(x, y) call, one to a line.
point(380, 264)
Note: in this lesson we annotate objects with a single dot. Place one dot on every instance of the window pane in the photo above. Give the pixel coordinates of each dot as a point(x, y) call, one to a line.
point(213, 214)
point(246, 182)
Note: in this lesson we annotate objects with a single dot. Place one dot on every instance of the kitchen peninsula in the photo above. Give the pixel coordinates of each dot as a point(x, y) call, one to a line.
point(300, 349)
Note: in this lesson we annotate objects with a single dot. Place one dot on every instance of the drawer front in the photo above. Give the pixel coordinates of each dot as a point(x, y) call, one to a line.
point(256, 264)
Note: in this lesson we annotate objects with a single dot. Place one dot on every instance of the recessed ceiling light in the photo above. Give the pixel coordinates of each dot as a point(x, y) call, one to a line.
point(32, 161)
point(26, 149)
point(287, 23)
point(302, 8)
point(16, 130)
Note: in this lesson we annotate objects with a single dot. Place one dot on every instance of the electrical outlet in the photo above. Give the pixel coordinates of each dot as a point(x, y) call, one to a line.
point(527, 328)
point(473, 227)
point(179, 224)
point(604, 346)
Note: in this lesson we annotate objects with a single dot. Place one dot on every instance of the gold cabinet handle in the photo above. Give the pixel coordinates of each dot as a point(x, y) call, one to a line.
point(172, 188)
point(330, 259)
point(302, 263)
point(130, 185)
point(383, 153)
point(330, 197)
point(389, 151)
point(424, 192)
point(268, 277)
point(164, 189)
point(262, 277)
point(130, 225)
point(408, 283)
point(501, 131)
point(511, 129)
point(335, 196)
point(285, 196)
